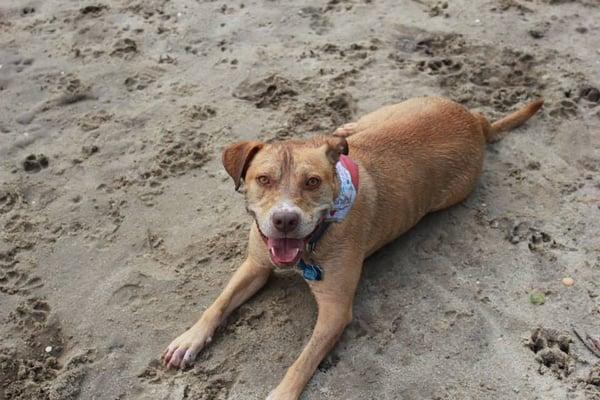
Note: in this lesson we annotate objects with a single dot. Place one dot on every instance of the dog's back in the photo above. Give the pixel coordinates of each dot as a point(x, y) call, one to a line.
point(423, 155)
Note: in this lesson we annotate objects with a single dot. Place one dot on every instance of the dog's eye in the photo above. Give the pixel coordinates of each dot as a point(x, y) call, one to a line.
point(312, 183)
point(263, 180)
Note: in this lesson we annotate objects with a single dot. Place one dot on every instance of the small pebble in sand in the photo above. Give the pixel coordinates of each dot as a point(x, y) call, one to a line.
point(537, 298)
point(48, 349)
point(568, 282)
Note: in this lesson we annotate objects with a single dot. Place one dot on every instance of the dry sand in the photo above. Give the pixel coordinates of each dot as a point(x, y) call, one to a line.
point(118, 225)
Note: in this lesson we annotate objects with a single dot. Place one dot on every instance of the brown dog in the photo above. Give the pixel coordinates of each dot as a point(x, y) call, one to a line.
point(412, 158)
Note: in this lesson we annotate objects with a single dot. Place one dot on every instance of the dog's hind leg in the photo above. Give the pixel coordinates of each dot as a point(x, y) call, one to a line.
point(346, 130)
point(366, 121)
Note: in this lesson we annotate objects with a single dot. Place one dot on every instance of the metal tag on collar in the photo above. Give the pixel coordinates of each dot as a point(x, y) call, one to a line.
point(310, 272)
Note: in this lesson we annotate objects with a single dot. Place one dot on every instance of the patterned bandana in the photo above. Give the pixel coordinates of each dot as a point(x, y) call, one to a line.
point(347, 172)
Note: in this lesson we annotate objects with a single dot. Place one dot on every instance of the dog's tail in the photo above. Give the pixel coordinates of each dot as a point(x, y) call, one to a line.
point(493, 131)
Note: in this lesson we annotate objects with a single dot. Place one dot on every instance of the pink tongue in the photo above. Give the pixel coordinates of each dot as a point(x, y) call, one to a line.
point(285, 251)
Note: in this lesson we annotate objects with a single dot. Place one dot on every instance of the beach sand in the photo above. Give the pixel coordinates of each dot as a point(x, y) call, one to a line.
point(119, 226)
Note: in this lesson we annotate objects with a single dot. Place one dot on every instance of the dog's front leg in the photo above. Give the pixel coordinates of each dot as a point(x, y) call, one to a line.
point(334, 297)
point(246, 281)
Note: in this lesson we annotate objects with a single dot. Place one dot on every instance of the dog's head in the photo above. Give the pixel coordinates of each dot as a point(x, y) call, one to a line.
point(290, 187)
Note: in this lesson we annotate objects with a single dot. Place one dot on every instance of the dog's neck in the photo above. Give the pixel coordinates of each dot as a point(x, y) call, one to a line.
point(347, 176)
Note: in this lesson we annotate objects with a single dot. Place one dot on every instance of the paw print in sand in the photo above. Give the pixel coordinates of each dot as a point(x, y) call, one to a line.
point(552, 351)
point(35, 163)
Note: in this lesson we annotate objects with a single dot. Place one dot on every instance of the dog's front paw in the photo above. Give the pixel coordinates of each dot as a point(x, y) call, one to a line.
point(183, 350)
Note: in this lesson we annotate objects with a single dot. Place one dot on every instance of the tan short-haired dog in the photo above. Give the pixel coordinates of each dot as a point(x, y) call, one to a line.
point(404, 161)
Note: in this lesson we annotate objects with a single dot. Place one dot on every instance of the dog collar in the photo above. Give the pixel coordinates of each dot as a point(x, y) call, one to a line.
point(347, 173)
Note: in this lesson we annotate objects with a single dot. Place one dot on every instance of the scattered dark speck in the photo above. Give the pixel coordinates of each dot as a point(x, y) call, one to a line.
point(536, 34)
point(89, 150)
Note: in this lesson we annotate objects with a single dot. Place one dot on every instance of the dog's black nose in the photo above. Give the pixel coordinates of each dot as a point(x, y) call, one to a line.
point(285, 221)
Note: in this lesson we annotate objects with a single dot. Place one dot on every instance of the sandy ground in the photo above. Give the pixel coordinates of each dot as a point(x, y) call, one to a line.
point(118, 225)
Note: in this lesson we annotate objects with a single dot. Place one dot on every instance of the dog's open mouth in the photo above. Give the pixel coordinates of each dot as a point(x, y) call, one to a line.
point(285, 252)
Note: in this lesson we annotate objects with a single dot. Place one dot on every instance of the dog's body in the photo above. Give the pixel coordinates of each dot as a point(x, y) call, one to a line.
point(415, 157)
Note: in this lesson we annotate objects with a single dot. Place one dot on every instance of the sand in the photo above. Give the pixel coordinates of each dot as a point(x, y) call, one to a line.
point(118, 225)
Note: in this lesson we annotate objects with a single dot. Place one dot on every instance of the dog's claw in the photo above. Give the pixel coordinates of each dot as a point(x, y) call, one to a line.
point(190, 355)
point(167, 354)
point(176, 359)
point(183, 351)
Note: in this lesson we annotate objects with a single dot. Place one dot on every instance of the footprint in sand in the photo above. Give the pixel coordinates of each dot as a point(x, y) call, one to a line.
point(32, 370)
point(14, 281)
point(269, 92)
point(9, 199)
point(143, 79)
point(552, 350)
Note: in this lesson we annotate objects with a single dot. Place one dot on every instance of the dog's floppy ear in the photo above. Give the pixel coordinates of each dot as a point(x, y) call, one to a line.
point(237, 157)
point(336, 145)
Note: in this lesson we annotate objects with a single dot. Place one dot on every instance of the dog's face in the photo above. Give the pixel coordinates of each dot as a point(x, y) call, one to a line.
point(290, 188)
